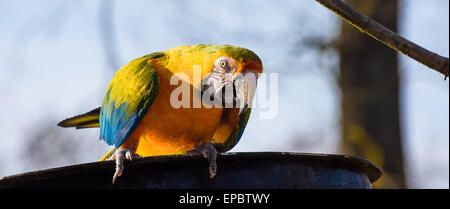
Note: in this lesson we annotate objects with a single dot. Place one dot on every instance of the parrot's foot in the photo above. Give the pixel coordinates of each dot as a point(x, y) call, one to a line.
point(208, 151)
point(119, 155)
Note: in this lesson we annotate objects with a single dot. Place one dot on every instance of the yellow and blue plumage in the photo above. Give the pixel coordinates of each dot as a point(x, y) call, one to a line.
point(124, 106)
point(137, 115)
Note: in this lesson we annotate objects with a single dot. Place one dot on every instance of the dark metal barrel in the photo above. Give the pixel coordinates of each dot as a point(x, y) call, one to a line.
point(259, 170)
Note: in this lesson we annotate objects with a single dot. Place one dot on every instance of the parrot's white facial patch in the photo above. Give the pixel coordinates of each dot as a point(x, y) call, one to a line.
point(226, 88)
point(221, 76)
point(223, 70)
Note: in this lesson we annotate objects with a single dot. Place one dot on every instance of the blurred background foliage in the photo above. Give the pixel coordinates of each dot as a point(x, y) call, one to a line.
point(339, 90)
point(369, 84)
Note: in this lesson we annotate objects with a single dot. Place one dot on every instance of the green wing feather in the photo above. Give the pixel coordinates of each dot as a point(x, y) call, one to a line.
point(236, 134)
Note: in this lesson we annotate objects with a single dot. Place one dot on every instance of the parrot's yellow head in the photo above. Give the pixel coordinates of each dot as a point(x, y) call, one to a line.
point(233, 76)
point(228, 73)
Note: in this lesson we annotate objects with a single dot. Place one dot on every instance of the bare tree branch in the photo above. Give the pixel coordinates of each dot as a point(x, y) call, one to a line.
point(384, 35)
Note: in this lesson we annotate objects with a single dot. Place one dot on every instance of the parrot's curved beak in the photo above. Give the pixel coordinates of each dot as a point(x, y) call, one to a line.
point(237, 92)
point(245, 88)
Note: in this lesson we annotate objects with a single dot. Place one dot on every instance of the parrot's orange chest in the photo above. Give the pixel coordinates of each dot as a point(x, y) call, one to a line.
point(166, 130)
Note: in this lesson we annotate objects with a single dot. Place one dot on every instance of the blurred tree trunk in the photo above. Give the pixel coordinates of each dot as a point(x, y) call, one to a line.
point(369, 86)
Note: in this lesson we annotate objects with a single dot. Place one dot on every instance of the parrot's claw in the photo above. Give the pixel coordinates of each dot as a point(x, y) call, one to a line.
point(208, 151)
point(119, 156)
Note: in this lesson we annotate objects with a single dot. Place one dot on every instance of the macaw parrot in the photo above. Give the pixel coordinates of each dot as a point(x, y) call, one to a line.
point(138, 116)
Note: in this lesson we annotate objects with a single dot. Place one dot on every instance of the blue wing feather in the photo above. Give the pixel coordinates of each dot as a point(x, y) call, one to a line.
point(118, 120)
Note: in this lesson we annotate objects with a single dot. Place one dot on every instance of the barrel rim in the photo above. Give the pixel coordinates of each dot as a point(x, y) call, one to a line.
point(369, 168)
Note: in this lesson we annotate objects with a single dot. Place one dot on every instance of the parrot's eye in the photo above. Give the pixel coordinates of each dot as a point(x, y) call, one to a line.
point(223, 63)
